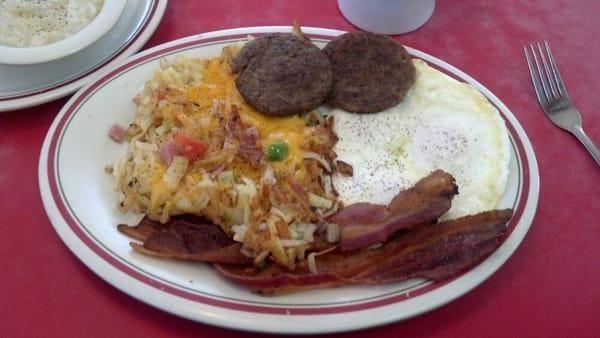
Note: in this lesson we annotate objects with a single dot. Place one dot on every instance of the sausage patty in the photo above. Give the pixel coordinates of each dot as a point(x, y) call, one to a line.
point(371, 72)
point(281, 74)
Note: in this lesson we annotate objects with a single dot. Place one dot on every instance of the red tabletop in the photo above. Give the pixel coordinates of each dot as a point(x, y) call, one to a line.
point(548, 288)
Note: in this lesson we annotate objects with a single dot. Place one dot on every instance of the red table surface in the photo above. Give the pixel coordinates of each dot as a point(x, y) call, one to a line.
point(550, 287)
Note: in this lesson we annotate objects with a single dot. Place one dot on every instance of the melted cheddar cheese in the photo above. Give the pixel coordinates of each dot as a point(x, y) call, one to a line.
point(218, 85)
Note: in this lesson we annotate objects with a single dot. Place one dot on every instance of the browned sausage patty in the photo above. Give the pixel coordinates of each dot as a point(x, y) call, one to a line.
point(281, 74)
point(371, 72)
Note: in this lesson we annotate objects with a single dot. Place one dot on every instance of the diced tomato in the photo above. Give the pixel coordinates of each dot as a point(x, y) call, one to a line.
point(190, 147)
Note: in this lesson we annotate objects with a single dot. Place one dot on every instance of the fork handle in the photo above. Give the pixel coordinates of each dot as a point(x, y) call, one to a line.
point(577, 130)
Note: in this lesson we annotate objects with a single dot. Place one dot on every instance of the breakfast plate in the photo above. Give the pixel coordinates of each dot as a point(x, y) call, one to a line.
point(24, 86)
point(79, 199)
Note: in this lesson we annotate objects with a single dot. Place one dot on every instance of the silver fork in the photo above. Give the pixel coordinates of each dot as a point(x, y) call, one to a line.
point(552, 94)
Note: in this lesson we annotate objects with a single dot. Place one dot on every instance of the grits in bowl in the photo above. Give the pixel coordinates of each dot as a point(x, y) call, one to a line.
point(38, 23)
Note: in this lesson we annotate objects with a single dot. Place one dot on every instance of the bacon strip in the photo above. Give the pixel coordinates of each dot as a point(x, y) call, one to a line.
point(248, 147)
point(186, 238)
point(436, 252)
point(273, 280)
point(344, 168)
point(364, 224)
point(226, 255)
point(142, 230)
point(440, 250)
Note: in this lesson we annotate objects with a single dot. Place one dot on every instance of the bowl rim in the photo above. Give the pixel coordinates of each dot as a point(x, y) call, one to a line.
point(107, 17)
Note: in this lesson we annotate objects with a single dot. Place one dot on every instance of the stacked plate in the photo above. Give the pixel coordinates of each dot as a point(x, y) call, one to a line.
point(27, 85)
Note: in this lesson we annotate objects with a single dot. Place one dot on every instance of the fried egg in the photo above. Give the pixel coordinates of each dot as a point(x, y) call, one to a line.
point(441, 124)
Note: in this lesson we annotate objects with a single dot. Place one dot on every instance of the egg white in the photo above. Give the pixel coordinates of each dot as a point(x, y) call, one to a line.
point(440, 124)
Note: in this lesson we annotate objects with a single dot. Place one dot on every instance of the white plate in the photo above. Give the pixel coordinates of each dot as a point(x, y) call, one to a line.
point(79, 200)
point(24, 86)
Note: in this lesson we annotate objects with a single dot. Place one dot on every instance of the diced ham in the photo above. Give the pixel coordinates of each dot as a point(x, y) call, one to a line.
point(116, 133)
point(168, 151)
point(250, 152)
point(251, 134)
point(247, 138)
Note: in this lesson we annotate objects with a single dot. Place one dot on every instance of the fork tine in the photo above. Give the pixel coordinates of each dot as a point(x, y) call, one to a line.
point(559, 81)
point(551, 80)
point(541, 77)
point(536, 84)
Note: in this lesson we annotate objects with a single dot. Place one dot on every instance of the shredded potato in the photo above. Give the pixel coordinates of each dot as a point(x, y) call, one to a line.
point(272, 208)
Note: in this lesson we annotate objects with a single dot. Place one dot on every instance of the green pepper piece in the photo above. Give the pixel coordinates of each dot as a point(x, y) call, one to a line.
point(277, 151)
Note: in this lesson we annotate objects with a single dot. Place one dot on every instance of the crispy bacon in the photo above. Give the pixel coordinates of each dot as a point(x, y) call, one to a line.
point(226, 255)
point(320, 242)
point(142, 230)
point(274, 280)
point(187, 238)
point(300, 193)
point(251, 134)
point(247, 137)
point(251, 153)
point(410, 244)
point(322, 140)
point(436, 251)
point(440, 250)
point(344, 168)
point(289, 193)
point(364, 224)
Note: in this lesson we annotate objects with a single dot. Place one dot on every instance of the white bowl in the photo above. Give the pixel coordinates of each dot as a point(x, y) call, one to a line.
point(102, 23)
